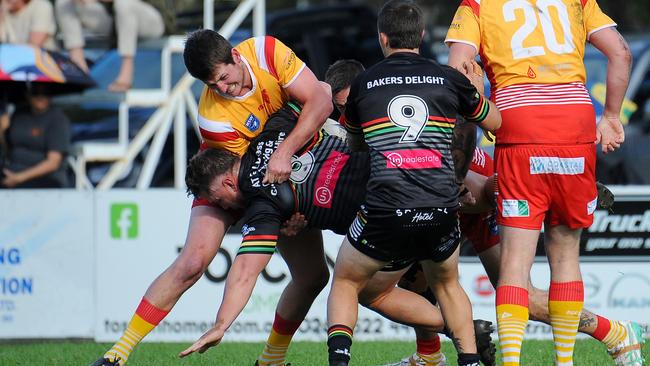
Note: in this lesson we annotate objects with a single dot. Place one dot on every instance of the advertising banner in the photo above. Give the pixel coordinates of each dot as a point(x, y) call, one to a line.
point(46, 264)
point(139, 235)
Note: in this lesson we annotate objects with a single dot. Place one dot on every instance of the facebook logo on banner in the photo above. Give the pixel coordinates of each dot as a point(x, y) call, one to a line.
point(124, 221)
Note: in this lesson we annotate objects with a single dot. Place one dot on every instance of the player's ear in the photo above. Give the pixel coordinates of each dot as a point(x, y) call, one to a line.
point(235, 55)
point(229, 182)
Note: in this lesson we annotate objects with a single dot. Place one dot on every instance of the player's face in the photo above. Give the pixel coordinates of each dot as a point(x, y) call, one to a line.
point(224, 192)
point(340, 98)
point(229, 79)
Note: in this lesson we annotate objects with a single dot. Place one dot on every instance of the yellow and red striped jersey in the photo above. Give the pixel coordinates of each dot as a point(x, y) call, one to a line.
point(231, 122)
point(533, 54)
point(529, 41)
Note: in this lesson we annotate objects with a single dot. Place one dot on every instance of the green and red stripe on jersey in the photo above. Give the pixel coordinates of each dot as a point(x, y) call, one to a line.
point(481, 111)
point(258, 244)
point(381, 126)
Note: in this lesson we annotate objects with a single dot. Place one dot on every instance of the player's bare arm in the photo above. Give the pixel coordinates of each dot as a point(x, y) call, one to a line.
point(462, 148)
point(611, 43)
point(238, 289)
point(317, 106)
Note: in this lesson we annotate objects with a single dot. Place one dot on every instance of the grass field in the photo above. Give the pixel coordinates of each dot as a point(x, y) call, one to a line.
point(588, 353)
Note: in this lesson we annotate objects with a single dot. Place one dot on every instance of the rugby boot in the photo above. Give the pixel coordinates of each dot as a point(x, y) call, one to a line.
point(107, 362)
point(416, 360)
point(485, 347)
point(628, 352)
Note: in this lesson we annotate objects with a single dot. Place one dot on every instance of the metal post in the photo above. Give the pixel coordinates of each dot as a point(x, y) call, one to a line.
point(208, 14)
point(259, 18)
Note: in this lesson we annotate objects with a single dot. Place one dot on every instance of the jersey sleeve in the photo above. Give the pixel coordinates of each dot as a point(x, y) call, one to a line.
point(277, 59)
point(261, 227)
point(594, 18)
point(464, 28)
point(472, 105)
point(351, 117)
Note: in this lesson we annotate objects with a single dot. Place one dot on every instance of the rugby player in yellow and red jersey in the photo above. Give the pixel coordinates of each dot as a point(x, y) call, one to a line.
point(244, 86)
point(545, 154)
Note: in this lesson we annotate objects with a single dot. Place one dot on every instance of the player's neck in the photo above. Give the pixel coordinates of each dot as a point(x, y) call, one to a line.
point(392, 51)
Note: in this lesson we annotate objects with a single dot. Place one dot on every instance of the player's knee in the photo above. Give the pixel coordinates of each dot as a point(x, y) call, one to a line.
point(188, 269)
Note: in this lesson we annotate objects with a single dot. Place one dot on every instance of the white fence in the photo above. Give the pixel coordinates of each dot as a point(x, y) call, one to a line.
point(76, 263)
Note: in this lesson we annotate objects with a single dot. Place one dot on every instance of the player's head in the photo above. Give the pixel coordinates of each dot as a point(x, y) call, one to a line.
point(339, 76)
point(212, 175)
point(400, 24)
point(211, 58)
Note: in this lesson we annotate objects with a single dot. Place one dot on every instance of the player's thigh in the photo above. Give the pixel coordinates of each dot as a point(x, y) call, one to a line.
point(380, 283)
point(206, 230)
point(524, 197)
point(575, 195)
point(354, 265)
point(446, 271)
point(304, 254)
point(518, 247)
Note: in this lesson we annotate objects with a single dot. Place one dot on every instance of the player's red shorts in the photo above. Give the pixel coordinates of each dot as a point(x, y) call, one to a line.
point(554, 184)
point(481, 229)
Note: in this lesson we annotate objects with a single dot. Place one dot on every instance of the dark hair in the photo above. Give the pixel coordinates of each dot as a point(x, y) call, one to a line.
point(204, 167)
point(204, 49)
point(341, 74)
point(402, 22)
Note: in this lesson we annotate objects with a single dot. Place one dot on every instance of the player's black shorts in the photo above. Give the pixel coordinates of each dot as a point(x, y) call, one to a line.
point(403, 236)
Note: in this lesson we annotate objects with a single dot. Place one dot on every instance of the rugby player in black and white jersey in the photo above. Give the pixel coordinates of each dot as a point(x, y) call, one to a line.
point(405, 108)
point(328, 184)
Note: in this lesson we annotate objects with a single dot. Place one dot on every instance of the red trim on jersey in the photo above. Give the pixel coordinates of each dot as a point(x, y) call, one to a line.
point(219, 136)
point(260, 237)
point(269, 55)
point(375, 121)
point(476, 7)
point(584, 2)
point(442, 119)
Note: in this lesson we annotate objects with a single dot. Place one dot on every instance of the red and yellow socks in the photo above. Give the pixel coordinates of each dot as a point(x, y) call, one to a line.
point(512, 317)
point(428, 350)
point(275, 350)
point(565, 300)
point(611, 333)
point(145, 319)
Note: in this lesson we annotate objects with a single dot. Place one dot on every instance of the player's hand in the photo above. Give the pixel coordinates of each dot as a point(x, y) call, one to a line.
point(294, 225)
point(609, 133)
point(210, 339)
point(474, 73)
point(278, 169)
point(465, 197)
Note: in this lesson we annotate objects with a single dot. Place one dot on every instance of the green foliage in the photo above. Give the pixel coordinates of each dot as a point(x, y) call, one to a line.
point(588, 352)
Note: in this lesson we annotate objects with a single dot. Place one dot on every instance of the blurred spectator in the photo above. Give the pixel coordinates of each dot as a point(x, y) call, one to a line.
point(37, 139)
point(27, 22)
point(133, 19)
point(78, 18)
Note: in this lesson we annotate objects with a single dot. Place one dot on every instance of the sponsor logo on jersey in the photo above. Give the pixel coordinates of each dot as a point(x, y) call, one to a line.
point(327, 178)
point(245, 230)
point(252, 123)
point(591, 206)
point(301, 167)
point(515, 208)
point(413, 159)
point(556, 165)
